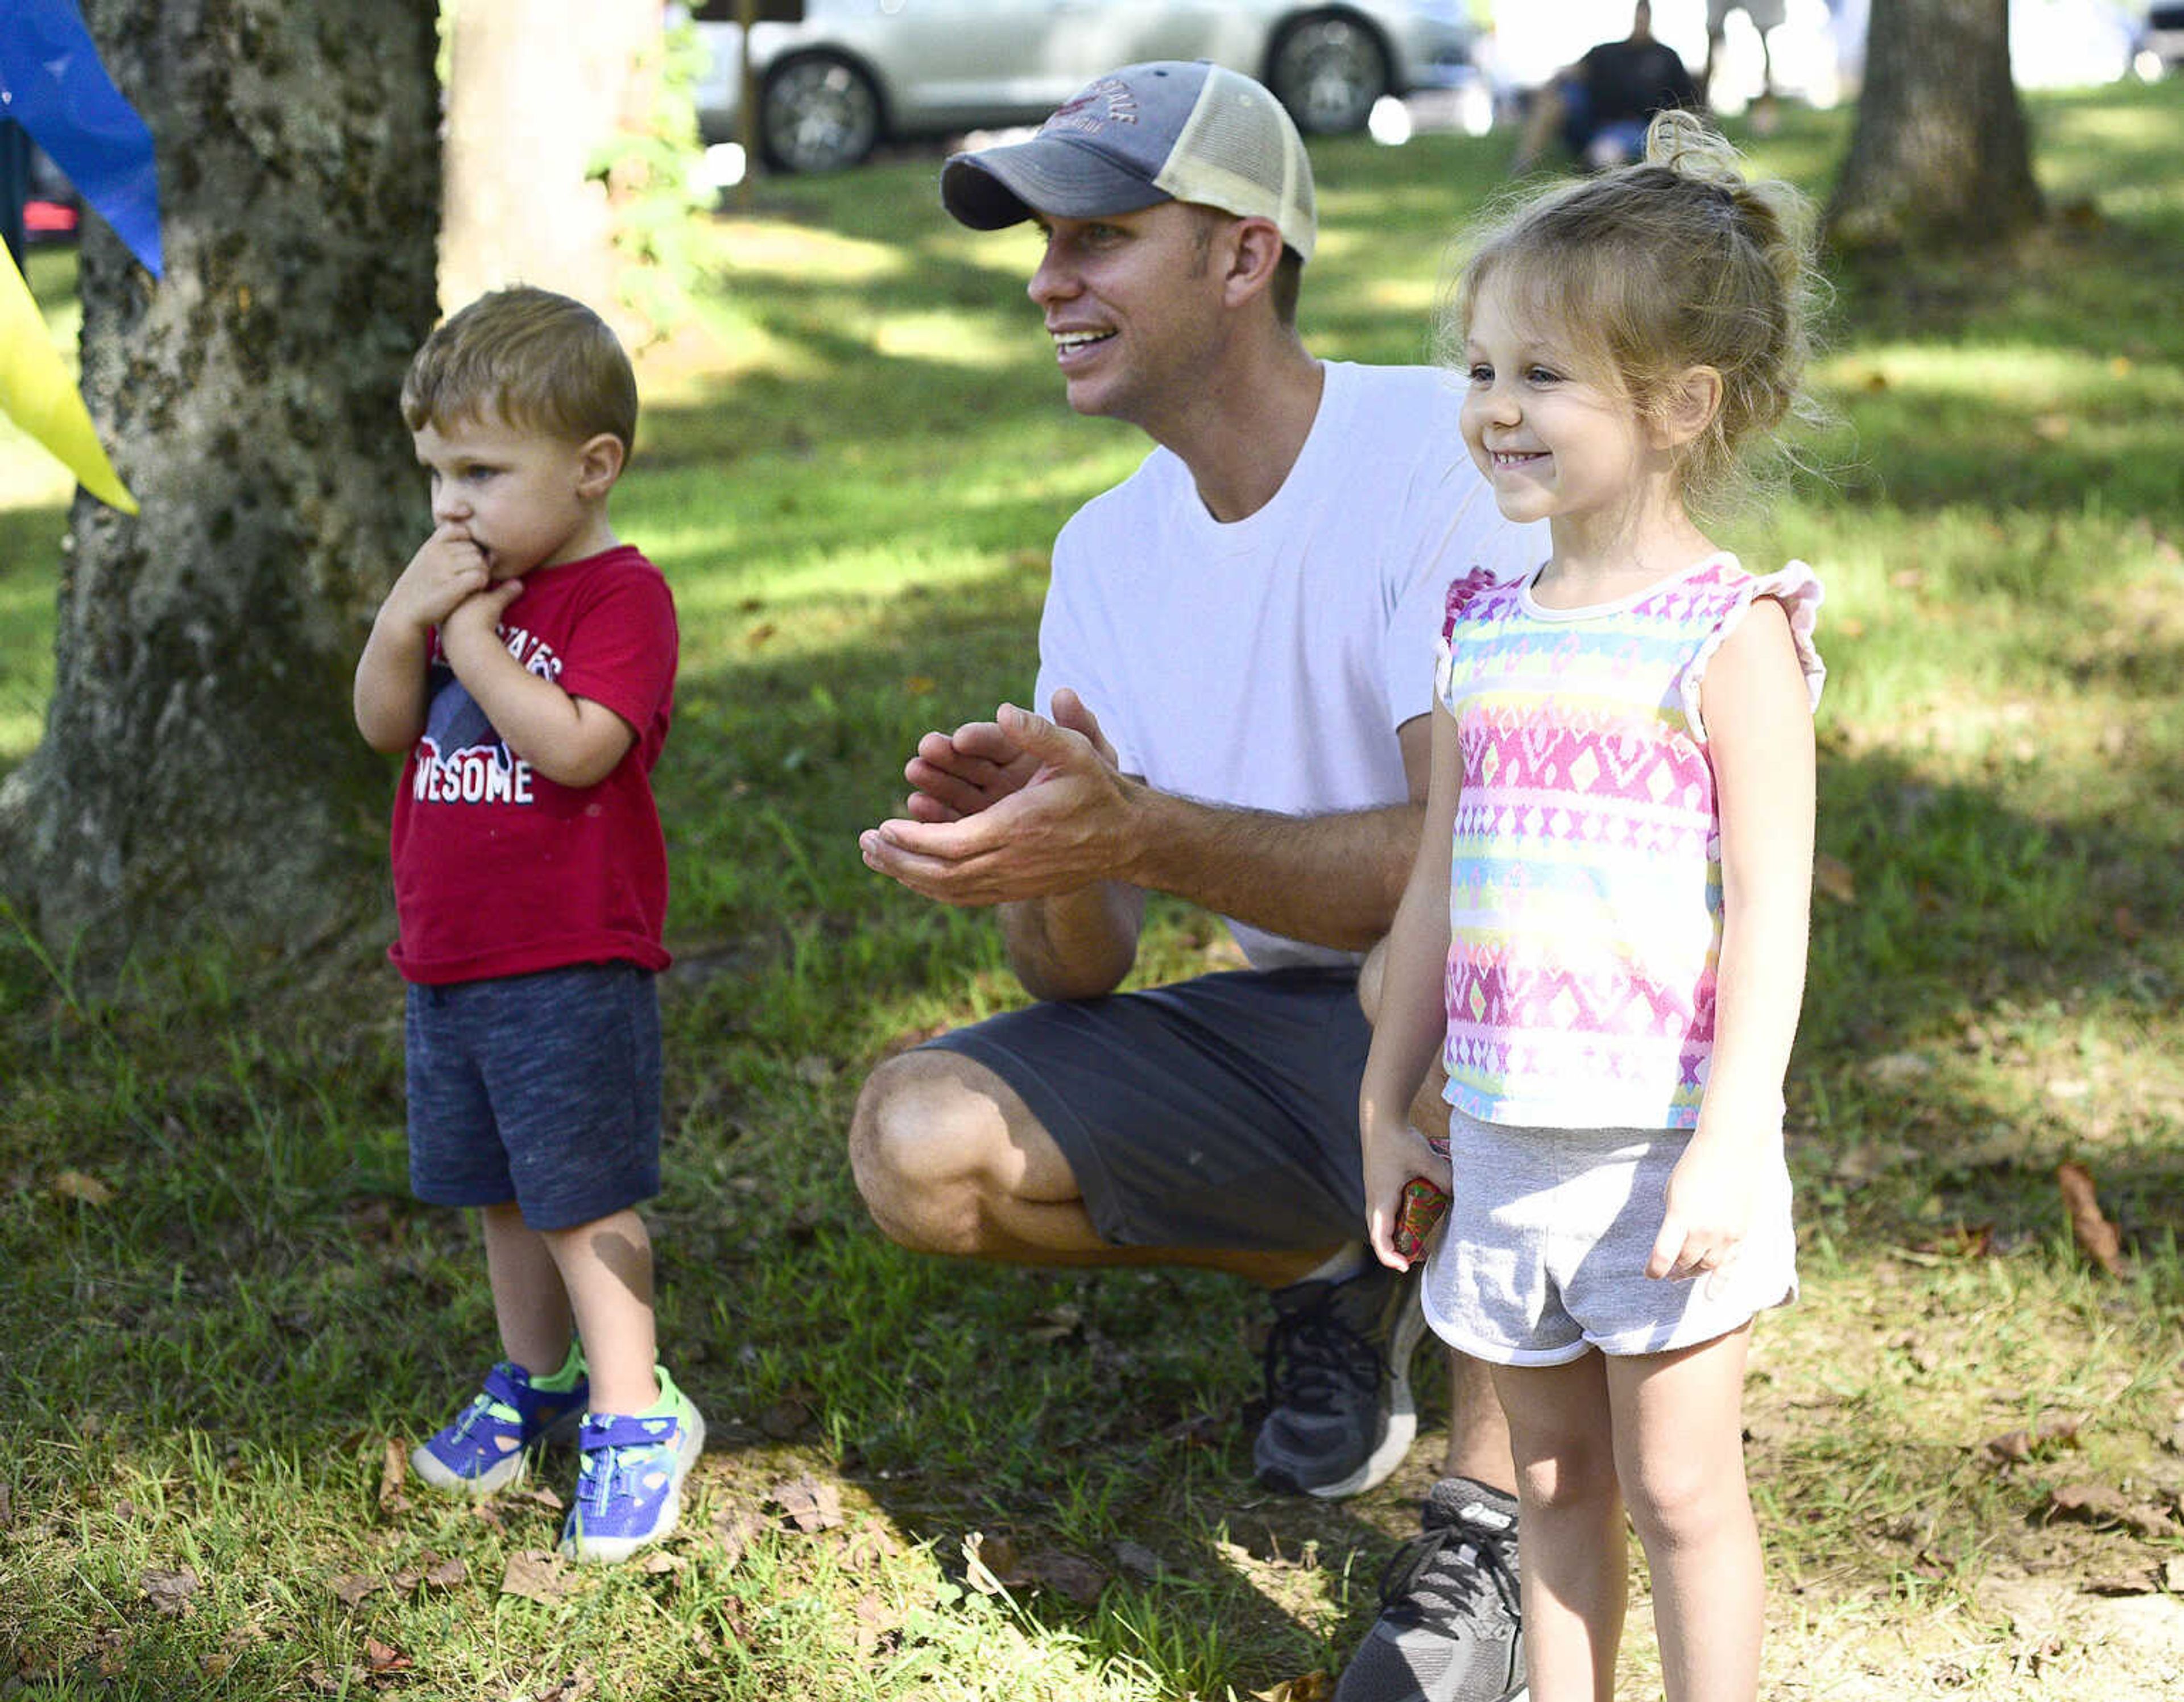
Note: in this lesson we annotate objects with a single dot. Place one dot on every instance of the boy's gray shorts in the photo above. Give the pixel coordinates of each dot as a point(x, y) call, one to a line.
point(1218, 1112)
point(540, 1088)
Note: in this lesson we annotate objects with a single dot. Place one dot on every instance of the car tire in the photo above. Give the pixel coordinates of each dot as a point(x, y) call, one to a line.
point(1329, 68)
point(817, 111)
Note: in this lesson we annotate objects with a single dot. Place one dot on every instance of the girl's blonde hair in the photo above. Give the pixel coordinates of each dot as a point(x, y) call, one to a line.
point(1658, 267)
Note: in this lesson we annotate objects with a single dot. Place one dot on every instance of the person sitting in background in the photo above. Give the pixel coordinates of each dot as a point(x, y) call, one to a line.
point(1601, 105)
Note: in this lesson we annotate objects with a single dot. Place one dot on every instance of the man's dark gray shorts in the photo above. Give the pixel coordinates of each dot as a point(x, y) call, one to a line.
point(1219, 1112)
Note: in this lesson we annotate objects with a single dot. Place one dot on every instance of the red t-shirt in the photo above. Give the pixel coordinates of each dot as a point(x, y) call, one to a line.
point(500, 871)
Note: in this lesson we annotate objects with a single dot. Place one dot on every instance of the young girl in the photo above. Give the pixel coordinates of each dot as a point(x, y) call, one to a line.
point(1604, 933)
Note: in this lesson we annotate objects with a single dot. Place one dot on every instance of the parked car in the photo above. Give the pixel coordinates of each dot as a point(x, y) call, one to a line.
point(2164, 35)
point(854, 73)
point(53, 210)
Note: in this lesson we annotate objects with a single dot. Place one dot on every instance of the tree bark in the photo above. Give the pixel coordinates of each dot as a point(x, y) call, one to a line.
point(1940, 155)
point(537, 91)
point(198, 764)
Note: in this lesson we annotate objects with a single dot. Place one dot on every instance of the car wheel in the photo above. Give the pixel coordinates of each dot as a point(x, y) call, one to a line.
point(1328, 70)
point(817, 113)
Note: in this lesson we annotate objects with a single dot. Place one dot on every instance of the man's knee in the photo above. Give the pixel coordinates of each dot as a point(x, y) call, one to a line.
point(1368, 981)
point(1429, 1110)
point(922, 1135)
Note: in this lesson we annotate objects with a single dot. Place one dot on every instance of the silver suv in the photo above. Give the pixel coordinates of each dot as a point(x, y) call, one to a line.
point(854, 73)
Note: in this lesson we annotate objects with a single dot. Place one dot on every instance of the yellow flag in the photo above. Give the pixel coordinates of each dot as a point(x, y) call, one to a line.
point(35, 391)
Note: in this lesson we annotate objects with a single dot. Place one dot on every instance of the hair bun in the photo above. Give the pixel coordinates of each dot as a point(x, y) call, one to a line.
point(1683, 142)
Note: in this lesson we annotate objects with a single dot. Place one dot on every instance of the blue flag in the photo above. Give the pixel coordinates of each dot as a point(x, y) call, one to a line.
point(52, 84)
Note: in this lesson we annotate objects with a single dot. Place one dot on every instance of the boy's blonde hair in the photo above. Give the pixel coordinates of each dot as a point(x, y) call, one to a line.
point(1658, 267)
point(541, 361)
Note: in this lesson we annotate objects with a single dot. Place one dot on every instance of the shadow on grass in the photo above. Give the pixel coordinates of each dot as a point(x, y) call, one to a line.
point(261, 1279)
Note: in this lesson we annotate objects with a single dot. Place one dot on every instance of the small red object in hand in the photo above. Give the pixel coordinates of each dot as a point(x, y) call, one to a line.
point(1416, 1213)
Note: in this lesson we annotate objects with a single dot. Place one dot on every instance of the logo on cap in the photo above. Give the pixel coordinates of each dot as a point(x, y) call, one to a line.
point(1122, 107)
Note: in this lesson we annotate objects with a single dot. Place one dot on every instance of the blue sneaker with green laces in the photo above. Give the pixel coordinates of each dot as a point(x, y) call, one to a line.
point(630, 1491)
point(487, 1443)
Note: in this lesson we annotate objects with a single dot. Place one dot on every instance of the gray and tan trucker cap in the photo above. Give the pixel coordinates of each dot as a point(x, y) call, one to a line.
point(1167, 131)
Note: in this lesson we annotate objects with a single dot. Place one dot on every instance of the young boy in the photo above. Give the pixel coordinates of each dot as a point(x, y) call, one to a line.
point(526, 661)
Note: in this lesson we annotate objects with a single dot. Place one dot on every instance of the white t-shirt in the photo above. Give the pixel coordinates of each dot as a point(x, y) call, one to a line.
point(1268, 662)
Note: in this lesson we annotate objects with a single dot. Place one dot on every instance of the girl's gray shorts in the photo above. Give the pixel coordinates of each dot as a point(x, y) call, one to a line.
point(1544, 1253)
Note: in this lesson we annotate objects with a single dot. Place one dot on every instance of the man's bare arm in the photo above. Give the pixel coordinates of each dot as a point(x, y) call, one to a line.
point(1063, 825)
point(1332, 880)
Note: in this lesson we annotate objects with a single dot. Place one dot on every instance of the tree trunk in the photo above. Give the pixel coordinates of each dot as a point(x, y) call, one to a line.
point(1940, 155)
point(538, 90)
point(199, 764)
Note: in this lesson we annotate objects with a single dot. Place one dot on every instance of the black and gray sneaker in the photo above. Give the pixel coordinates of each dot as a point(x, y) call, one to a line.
point(1449, 1628)
point(1338, 1364)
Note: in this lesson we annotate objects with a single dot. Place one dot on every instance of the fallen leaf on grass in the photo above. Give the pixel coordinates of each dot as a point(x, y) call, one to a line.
point(1055, 1324)
point(809, 1504)
point(1068, 1574)
point(1965, 1240)
point(874, 1622)
point(2145, 1583)
point(351, 1587)
point(735, 1526)
point(75, 1185)
point(871, 1548)
point(394, 1473)
point(659, 1560)
point(538, 1576)
point(7, 1507)
point(430, 1569)
point(2102, 1504)
point(2018, 1446)
point(110, 1653)
point(1312, 1687)
point(2094, 1233)
point(540, 1495)
point(171, 1591)
point(383, 1657)
point(992, 1564)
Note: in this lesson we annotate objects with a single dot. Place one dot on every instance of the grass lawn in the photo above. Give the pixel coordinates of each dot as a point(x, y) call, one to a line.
point(223, 1317)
